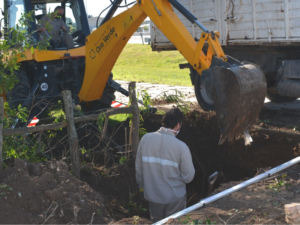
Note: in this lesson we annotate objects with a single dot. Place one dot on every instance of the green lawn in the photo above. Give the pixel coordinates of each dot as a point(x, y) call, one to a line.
point(139, 63)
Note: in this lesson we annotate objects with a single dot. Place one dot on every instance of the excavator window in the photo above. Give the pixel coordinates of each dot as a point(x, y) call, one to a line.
point(71, 17)
point(74, 16)
point(15, 10)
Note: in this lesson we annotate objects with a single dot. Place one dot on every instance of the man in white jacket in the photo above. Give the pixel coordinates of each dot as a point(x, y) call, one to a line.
point(163, 167)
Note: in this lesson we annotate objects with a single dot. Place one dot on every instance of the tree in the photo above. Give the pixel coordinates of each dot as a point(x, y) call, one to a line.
point(146, 28)
point(17, 40)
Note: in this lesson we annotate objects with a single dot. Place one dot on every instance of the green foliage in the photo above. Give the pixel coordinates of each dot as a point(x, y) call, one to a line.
point(18, 146)
point(146, 98)
point(4, 188)
point(160, 112)
point(122, 160)
point(100, 121)
point(116, 119)
point(140, 63)
point(132, 205)
point(278, 184)
point(142, 131)
point(189, 221)
point(135, 220)
point(148, 103)
point(17, 41)
point(178, 99)
point(208, 221)
point(82, 151)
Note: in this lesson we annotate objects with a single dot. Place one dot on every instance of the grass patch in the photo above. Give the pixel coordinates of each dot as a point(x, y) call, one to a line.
point(139, 63)
point(116, 119)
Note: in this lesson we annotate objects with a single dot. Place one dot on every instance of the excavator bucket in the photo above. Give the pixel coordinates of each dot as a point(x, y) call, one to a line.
point(238, 90)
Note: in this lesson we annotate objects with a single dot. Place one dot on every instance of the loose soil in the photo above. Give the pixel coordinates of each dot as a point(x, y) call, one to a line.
point(112, 193)
point(261, 203)
point(35, 193)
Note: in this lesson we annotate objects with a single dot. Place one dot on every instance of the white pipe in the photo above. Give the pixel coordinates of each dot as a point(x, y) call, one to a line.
point(230, 191)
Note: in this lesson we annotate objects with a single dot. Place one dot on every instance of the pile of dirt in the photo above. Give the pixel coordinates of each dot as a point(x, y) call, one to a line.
point(117, 183)
point(38, 193)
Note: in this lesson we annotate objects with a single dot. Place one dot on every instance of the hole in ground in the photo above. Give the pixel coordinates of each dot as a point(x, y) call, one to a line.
point(233, 161)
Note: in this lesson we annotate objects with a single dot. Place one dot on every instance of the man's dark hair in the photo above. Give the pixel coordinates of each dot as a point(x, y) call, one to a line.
point(58, 8)
point(172, 118)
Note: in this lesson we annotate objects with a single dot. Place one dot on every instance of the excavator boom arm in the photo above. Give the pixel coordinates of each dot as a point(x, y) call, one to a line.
point(105, 44)
point(237, 89)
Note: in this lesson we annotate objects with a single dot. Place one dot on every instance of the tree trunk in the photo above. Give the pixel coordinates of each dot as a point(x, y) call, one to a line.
point(73, 139)
point(134, 129)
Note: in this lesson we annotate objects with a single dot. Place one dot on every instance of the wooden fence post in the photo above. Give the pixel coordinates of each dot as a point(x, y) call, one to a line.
point(73, 139)
point(1, 131)
point(134, 129)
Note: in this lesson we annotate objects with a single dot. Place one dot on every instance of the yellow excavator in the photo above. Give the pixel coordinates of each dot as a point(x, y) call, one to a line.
point(237, 88)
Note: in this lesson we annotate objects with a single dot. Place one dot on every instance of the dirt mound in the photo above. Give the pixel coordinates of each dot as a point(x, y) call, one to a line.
point(118, 185)
point(37, 193)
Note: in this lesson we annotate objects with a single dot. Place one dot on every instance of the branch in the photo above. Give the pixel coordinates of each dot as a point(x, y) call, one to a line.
point(93, 117)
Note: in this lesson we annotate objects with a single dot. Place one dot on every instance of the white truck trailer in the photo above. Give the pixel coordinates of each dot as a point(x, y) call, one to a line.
point(264, 32)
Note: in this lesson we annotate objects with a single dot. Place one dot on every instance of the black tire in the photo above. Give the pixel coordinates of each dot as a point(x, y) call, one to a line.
point(273, 95)
point(20, 92)
point(203, 97)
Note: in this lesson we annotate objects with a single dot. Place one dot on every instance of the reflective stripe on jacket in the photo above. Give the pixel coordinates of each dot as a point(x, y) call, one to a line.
point(163, 167)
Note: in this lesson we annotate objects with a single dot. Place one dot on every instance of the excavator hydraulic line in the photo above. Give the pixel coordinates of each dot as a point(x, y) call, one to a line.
point(111, 12)
point(238, 89)
point(188, 14)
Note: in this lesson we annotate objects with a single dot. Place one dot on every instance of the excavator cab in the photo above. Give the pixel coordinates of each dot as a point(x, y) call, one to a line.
point(74, 17)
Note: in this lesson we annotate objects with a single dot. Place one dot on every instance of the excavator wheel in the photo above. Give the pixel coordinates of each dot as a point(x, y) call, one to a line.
point(21, 90)
point(238, 90)
point(203, 96)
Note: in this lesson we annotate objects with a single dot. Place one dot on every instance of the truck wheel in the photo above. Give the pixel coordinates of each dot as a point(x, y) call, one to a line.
point(21, 90)
point(203, 97)
point(273, 96)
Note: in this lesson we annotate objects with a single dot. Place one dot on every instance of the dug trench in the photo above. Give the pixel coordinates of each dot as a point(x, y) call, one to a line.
point(233, 161)
point(113, 192)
